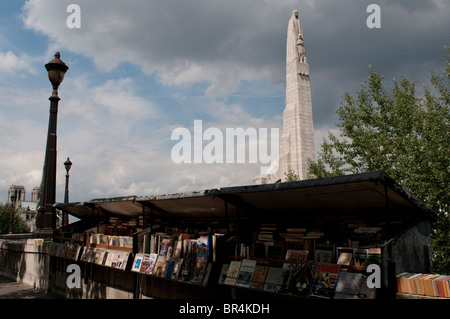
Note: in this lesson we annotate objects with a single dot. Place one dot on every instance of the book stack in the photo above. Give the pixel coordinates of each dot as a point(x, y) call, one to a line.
point(110, 240)
point(374, 255)
point(314, 234)
point(266, 234)
point(424, 284)
point(294, 235)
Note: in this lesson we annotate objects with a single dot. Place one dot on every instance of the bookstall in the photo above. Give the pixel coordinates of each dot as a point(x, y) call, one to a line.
point(306, 239)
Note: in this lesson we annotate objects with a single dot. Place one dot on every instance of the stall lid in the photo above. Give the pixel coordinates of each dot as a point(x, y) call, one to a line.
point(368, 194)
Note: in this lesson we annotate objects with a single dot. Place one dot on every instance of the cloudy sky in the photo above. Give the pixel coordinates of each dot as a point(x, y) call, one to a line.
point(140, 69)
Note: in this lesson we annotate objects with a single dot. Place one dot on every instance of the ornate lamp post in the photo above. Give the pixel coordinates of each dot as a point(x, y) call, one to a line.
point(11, 213)
point(67, 165)
point(46, 216)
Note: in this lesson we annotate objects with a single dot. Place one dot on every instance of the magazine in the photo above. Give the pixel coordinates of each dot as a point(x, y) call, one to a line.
point(325, 280)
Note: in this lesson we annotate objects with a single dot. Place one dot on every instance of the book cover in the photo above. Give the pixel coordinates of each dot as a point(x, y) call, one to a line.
point(99, 257)
point(259, 276)
point(176, 267)
point(164, 247)
point(199, 270)
point(189, 261)
point(274, 279)
point(144, 262)
point(274, 253)
point(360, 256)
point(158, 271)
point(115, 260)
point(178, 247)
point(109, 258)
point(233, 273)
point(150, 264)
point(292, 255)
point(323, 256)
point(84, 254)
point(92, 255)
point(246, 272)
point(223, 273)
point(170, 264)
point(345, 258)
point(301, 277)
point(124, 257)
point(325, 280)
point(203, 244)
point(348, 285)
point(207, 273)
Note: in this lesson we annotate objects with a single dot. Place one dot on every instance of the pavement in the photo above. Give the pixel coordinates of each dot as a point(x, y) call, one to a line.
point(10, 289)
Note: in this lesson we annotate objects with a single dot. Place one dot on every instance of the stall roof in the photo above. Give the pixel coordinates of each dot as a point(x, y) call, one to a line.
point(373, 195)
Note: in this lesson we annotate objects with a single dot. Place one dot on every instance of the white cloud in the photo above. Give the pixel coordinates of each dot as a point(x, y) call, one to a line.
point(210, 41)
point(119, 141)
point(12, 64)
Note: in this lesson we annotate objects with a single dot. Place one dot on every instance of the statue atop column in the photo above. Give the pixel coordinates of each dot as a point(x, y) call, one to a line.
point(297, 140)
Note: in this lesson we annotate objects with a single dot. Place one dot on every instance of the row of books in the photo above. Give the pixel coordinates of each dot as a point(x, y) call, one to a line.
point(118, 227)
point(341, 255)
point(63, 250)
point(424, 284)
point(176, 245)
point(358, 256)
point(193, 268)
point(319, 280)
point(269, 233)
point(110, 240)
point(105, 257)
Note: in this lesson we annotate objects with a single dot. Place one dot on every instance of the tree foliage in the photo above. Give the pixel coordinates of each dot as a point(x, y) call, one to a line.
point(291, 176)
point(19, 225)
point(403, 134)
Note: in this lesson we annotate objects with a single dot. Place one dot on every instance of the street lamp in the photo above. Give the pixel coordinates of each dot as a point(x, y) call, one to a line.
point(11, 213)
point(46, 216)
point(67, 165)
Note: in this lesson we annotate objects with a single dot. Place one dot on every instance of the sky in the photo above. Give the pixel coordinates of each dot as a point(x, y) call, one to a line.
point(139, 69)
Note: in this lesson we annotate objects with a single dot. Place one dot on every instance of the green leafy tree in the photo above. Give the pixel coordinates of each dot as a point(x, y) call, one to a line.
point(403, 134)
point(19, 225)
point(291, 176)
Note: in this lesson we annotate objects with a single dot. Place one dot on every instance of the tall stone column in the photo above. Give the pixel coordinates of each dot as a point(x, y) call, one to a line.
point(297, 139)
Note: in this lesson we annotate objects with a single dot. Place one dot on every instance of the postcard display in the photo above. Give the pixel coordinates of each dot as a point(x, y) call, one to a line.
point(301, 262)
point(69, 249)
point(108, 250)
point(293, 262)
point(176, 255)
point(107, 245)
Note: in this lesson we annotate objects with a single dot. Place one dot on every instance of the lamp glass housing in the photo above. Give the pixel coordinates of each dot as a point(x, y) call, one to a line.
point(56, 76)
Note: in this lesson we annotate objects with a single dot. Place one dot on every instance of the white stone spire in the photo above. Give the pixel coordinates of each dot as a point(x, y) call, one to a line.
point(297, 139)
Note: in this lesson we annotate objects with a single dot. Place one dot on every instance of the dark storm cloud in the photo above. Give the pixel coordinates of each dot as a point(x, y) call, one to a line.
point(224, 42)
point(341, 47)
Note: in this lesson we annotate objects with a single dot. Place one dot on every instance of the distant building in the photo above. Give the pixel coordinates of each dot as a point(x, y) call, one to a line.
point(27, 209)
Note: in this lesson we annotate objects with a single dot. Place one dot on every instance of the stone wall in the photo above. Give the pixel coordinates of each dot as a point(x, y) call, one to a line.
point(25, 262)
point(29, 263)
